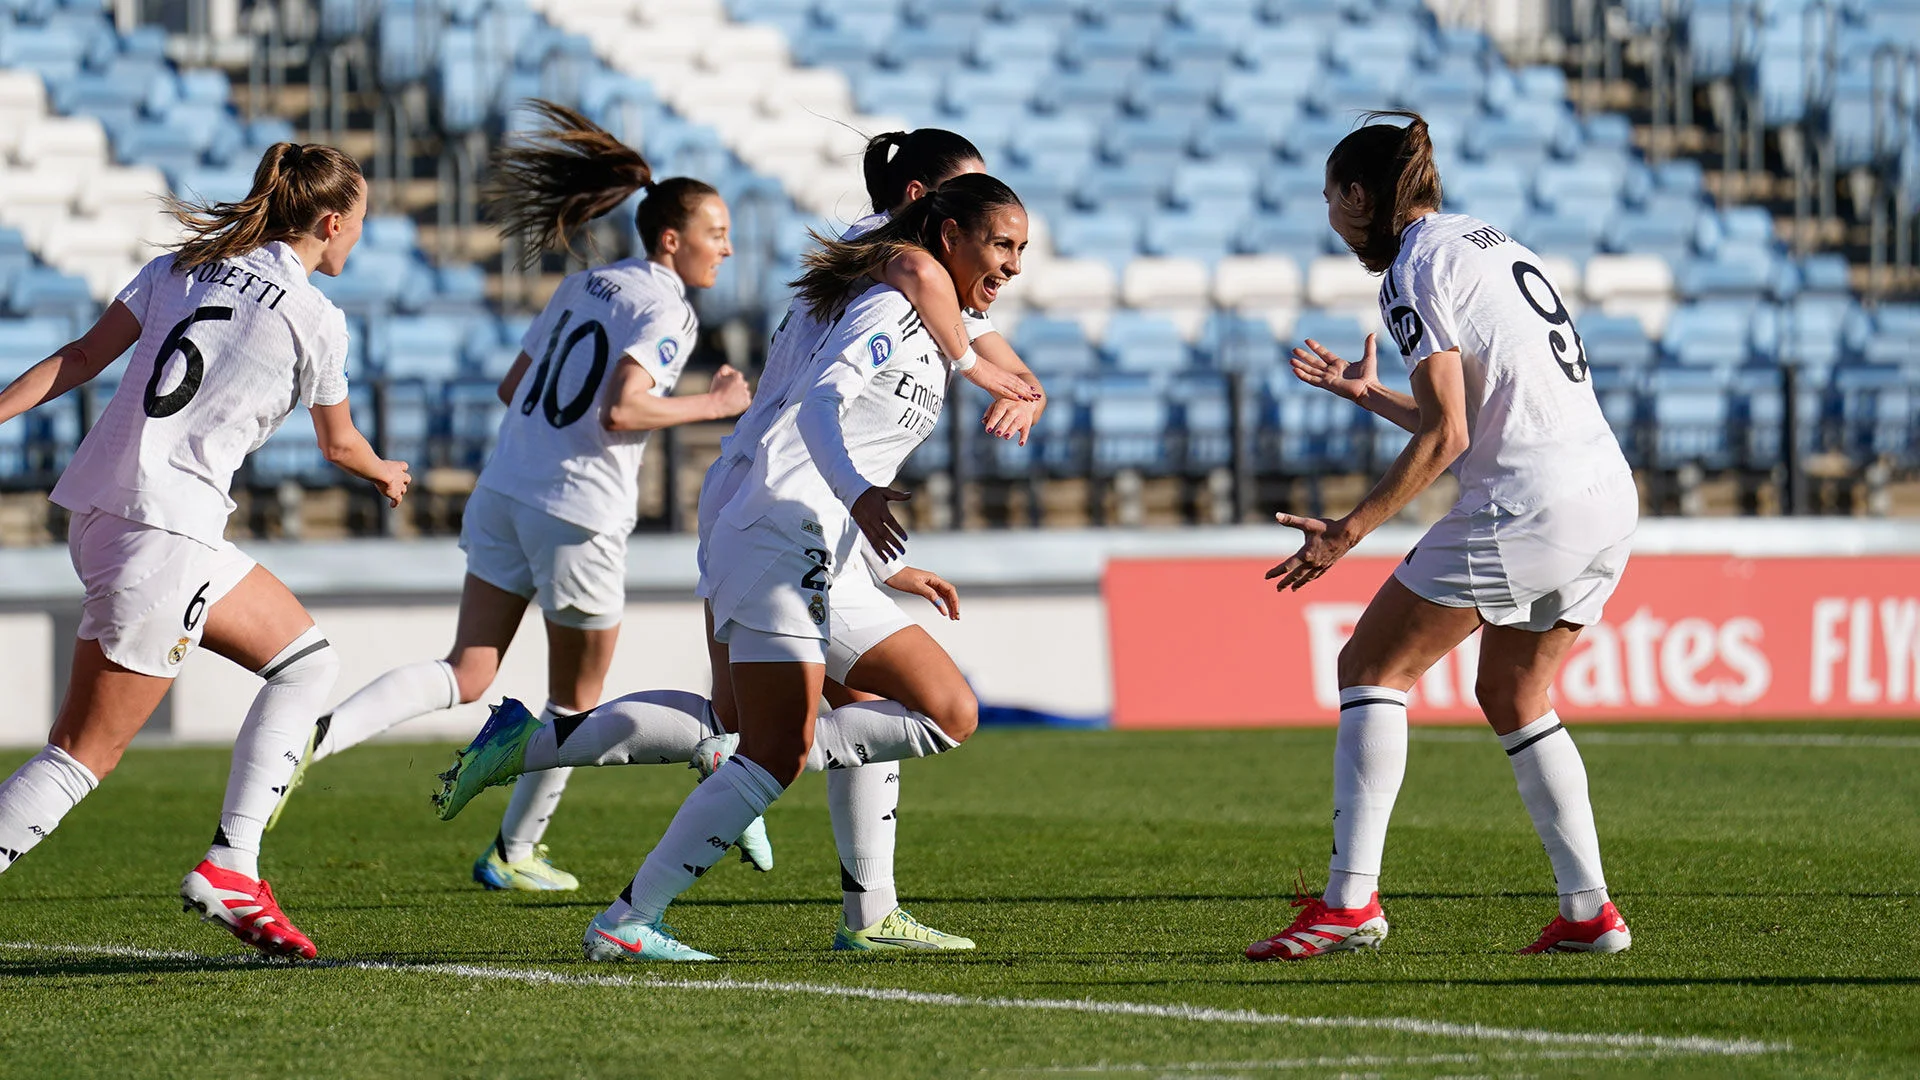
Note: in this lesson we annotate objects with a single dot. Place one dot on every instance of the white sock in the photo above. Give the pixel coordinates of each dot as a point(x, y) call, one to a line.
point(269, 746)
point(1369, 761)
point(864, 803)
point(868, 731)
point(1553, 784)
point(36, 797)
point(390, 700)
point(652, 727)
point(531, 805)
point(711, 819)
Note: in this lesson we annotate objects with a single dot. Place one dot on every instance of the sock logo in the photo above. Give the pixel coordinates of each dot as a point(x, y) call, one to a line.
point(696, 871)
point(9, 854)
point(718, 843)
point(37, 831)
point(860, 749)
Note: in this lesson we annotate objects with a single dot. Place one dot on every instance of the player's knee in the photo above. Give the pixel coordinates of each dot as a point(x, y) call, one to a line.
point(1503, 703)
point(472, 675)
point(1355, 667)
point(957, 712)
point(310, 661)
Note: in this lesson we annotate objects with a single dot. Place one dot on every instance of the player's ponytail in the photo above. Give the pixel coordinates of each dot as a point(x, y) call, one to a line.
point(294, 186)
point(895, 159)
point(1394, 166)
point(833, 267)
point(545, 187)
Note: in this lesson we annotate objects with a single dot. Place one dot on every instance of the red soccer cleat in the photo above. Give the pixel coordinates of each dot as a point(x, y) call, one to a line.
point(1320, 929)
point(1604, 933)
point(244, 906)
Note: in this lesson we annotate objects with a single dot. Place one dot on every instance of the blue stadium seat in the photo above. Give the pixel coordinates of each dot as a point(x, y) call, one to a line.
point(1709, 334)
point(1235, 140)
point(1190, 235)
point(1054, 346)
point(1216, 189)
point(1615, 341)
point(1142, 343)
point(1134, 192)
point(1114, 238)
point(1241, 343)
point(1692, 415)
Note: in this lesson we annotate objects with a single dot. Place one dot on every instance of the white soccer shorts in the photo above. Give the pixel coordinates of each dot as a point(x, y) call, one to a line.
point(148, 590)
point(577, 576)
point(771, 584)
point(1533, 569)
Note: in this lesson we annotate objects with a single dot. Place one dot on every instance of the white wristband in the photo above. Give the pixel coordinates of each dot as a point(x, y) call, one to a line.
point(965, 363)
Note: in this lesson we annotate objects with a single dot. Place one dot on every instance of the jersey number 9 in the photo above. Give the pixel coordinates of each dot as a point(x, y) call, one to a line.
point(160, 405)
point(1573, 362)
point(544, 391)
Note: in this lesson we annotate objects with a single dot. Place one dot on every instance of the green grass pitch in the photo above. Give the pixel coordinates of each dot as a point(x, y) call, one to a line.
point(1769, 873)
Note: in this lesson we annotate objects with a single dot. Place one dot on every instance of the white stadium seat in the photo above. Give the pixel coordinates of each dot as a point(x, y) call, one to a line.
point(1072, 285)
point(1340, 282)
point(1256, 283)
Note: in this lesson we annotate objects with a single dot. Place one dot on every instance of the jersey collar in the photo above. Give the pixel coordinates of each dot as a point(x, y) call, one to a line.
point(666, 274)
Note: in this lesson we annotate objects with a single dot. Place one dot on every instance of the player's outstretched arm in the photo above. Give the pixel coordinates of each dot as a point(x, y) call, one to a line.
point(344, 447)
point(632, 405)
point(1440, 436)
point(511, 379)
point(73, 364)
point(1317, 365)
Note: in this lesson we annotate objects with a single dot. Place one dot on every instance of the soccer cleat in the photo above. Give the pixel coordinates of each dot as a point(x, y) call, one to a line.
point(495, 756)
point(1320, 929)
point(299, 772)
point(898, 932)
point(244, 906)
point(708, 755)
point(609, 939)
point(1604, 933)
point(535, 873)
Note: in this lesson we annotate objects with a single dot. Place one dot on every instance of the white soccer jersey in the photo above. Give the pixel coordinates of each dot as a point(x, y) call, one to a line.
point(226, 351)
point(553, 452)
point(874, 396)
point(1534, 424)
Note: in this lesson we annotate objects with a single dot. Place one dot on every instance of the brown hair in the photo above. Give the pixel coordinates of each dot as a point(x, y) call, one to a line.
point(546, 186)
point(1394, 166)
point(831, 269)
point(294, 186)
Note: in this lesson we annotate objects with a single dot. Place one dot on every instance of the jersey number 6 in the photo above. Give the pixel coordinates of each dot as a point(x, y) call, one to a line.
point(1573, 364)
point(557, 414)
point(158, 404)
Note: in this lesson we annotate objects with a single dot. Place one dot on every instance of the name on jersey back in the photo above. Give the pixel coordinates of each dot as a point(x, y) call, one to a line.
point(263, 291)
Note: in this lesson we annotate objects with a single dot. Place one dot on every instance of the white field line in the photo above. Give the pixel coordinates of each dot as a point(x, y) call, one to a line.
point(1348, 1061)
point(1686, 1044)
point(1652, 738)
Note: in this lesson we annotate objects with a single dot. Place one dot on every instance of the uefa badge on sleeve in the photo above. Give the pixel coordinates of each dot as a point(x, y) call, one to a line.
point(669, 349)
point(879, 346)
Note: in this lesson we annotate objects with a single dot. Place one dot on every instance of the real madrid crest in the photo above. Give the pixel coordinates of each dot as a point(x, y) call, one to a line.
point(817, 609)
point(179, 651)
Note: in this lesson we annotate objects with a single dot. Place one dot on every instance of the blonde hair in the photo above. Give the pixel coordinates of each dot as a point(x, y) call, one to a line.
point(294, 186)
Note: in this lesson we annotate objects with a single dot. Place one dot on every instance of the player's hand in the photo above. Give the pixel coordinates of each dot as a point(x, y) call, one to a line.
point(1010, 419)
point(938, 591)
point(1326, 540)
point(875, 517)
point(1321, 367)
point(729, 392)
point(1002, 383)
point(392, 479)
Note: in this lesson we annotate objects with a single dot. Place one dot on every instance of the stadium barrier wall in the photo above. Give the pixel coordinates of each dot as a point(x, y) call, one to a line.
point(1737, 618)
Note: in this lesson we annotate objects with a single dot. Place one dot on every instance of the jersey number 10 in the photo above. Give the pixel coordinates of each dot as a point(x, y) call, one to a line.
point(544, 391)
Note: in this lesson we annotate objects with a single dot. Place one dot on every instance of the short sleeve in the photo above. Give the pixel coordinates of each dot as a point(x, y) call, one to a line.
point(1418, 308)
point(325, 381)
point(657, 341)
point(139, 292)
point(977, 324)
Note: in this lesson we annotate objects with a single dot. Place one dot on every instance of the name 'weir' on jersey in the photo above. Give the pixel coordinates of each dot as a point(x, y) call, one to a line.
point(226, 351)
point(554, 453)
point(872, 397)
point(1534, 424)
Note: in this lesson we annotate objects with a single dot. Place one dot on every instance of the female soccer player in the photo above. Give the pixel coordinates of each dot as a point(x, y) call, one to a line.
point(550, 516)
point(228, 334)
point(1527, 556)
point(789, 598)
point(657, 726)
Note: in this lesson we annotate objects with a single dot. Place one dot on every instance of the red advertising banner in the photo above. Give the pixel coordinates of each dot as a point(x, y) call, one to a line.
point(1208, 643)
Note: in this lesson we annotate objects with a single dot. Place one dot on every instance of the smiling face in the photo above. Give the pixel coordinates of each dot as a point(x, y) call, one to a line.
point(983, 261)
point(1349, 211)
point(339, 233)
point(696, 251)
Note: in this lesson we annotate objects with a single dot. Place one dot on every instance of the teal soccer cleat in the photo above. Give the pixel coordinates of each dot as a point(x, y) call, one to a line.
point(608, 940)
